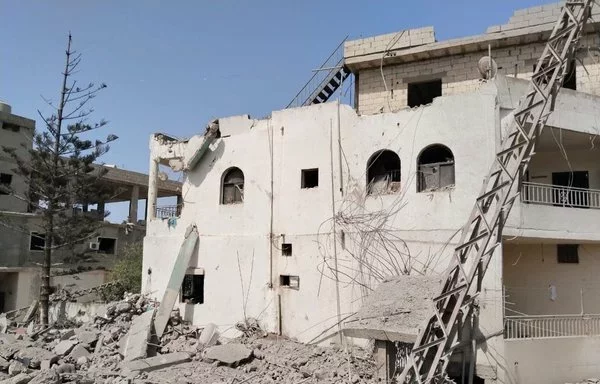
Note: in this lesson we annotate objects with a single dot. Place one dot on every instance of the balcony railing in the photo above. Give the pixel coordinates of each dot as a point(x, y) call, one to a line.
point(552, 326)
point(168, 211)
point(556, 195)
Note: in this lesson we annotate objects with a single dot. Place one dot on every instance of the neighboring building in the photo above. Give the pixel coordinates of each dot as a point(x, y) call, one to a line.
point(22, 237)
point(301, 215)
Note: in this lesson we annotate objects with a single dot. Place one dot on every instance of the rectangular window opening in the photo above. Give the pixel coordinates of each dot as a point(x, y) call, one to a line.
point(567, 253)
point(192, 289)
point(37, 241)
point(310, 178)
point(11, 127)
point(423, 92)
point(570, 80)
point(286, 249)
point(5, 181)
point(289, 281)
point(107, 245)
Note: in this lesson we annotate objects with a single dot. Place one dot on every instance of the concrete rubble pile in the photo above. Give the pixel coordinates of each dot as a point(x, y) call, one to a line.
point(121, 346)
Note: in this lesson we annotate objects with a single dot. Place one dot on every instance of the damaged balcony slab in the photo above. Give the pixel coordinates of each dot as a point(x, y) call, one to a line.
point(395, 310)
point(138, 337)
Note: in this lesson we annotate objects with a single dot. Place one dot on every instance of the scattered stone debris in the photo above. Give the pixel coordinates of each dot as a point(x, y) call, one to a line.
point(121, 346)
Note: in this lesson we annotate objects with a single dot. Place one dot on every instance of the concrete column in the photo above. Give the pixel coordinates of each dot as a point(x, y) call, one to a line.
point(133, 204)
point(152, 189)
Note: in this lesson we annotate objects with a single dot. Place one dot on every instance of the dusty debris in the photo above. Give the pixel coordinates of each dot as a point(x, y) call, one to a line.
point(228, 354)
point(156, 362)
point(209, 335)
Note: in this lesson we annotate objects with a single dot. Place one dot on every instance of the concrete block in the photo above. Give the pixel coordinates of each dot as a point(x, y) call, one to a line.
point(33, 356)
point(67, 334)
point(21, 378)
point(229, 354)
point(16, 367)
point(79, 351)
point(64, 347)
point(138, 336)
point(87, 336)
point(3, 364)
point(156, 362)
point(209, 335)
point(46, 377)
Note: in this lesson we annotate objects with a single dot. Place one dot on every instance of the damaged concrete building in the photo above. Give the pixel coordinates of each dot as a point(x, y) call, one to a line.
point(303, 214)
point(21, 233)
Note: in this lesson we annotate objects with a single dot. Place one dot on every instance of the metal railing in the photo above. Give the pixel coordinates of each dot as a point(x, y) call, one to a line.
point(551, 326)
point(168, 211)
point(333, 64)
point(557, 195)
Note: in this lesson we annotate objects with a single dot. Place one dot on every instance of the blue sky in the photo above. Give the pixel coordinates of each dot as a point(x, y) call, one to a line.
point(172, 66)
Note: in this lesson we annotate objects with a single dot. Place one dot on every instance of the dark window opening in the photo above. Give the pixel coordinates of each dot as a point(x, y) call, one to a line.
point(383, 173)
point(286, 249)
point(568, 196)
point(310, 178)
point(11, 127)
point(567, 253)
point(435, 168)
point(570, 79)
point(5, 181)
point(289, 281)
point(37, 241)
point(233, 186)
point(423, 92)
point(192, 289)
point(107, 245)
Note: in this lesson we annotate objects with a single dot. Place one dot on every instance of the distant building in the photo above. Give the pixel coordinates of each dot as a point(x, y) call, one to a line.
point(22, 238)
point(302, 214)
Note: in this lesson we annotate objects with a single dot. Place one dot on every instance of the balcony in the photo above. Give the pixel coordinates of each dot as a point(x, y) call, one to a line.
point(560, 196)
point(551, 326)
point(168, 211)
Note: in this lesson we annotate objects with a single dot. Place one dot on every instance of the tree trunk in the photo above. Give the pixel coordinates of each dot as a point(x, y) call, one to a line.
point(52, 203)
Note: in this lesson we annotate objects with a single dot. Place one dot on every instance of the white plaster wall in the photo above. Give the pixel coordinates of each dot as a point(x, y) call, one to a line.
point(529, 270)
point(552, 361)
point(301, 140)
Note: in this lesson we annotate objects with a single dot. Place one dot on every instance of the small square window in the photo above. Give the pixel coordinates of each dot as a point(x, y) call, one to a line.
point(423, 92)
point(107, 245)
point(192, 289)
point(286, 249)
point(5, 181)
point(567, 253)
point(310, 178)
point(37, 241)
point(289, 281)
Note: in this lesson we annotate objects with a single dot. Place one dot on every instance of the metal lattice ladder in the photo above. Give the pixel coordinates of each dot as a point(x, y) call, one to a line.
point(482, 234)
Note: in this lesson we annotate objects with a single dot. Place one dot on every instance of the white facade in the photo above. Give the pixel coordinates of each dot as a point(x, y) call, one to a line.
point(371, 236)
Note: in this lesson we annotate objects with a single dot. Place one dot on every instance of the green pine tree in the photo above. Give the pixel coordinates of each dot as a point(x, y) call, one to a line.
point(61, 170)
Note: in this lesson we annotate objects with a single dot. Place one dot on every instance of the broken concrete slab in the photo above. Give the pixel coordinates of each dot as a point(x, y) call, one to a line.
point(66, 335)
point(209, 335)
point(16, 367)
point(79, 351)
point(33, 356)
point(156, 362)
point(230, 354)
point(46, 377)
point(21, 378)
point(87, 336)
point(7, 338)
point(31, 311)
point(8, 350)
point(99, 345)
point(123, 307)
point(4, 364)
point(138, 336)
point(177, 274)
point(3, 323)
point(64, 347)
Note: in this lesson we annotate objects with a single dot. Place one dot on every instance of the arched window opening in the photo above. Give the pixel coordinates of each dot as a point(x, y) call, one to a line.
point(232, 191)
point(435, 168)
point(383, 173)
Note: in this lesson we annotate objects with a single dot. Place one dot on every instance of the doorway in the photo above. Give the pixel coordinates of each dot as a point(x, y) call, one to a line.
point(575, 194)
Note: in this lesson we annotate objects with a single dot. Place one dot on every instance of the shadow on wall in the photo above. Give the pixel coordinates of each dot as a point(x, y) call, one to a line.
point(206, 164)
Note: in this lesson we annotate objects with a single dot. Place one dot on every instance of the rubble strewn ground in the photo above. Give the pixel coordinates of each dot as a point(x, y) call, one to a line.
point(95, 353)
